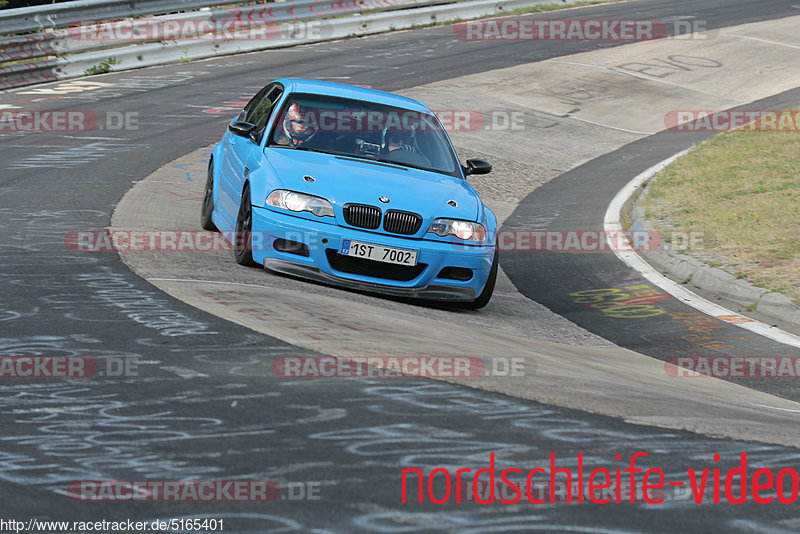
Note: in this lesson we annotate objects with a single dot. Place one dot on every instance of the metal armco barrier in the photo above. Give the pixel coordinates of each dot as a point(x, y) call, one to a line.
point(54, 16)
point(84, 34)
point(79, 41)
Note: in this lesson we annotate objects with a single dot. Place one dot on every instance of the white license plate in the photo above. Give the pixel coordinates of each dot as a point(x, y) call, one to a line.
point(359, 249)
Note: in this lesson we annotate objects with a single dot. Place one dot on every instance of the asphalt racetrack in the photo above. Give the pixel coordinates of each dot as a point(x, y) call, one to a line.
point(199, 398)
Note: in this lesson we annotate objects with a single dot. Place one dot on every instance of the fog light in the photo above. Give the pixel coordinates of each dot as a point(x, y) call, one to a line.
point(456, 273)
point(291, 247)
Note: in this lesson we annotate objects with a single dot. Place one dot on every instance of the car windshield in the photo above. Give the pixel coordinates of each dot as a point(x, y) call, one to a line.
point(364, 130)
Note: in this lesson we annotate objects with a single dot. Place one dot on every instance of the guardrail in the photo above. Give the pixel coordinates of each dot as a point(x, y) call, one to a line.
point(86, 34)
point(76, 43)
point(54, 16)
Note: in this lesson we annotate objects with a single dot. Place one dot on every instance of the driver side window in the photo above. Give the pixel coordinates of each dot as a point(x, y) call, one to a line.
point(247, 112)
point(259, 109)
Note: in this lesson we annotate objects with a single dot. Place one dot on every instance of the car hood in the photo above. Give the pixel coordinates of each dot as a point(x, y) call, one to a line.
point(343, 180)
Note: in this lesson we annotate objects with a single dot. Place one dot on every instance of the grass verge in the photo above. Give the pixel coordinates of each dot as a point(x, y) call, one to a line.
point(740, 191)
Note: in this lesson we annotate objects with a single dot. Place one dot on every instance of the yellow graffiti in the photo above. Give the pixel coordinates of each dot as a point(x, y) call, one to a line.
point(619, 304)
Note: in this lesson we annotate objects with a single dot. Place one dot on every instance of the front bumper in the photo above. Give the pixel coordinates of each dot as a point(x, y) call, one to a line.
point(323, 239)
point(430, 292)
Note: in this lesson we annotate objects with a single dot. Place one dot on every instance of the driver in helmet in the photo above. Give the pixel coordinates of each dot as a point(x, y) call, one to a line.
point(296, 128)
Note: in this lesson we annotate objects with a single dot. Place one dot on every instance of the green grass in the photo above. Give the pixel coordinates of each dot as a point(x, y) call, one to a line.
point(741, 191)
point(103, 66)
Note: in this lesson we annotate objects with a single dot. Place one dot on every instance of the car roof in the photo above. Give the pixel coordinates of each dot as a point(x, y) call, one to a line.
point(302, 85)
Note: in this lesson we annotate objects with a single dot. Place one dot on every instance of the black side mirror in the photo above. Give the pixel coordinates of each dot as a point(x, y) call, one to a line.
point(477, 166)
point(241, 128)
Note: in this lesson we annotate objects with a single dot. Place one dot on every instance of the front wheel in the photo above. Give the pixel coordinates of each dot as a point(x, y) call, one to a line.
point(242, 237)
point(208, 201)
point(488, 289)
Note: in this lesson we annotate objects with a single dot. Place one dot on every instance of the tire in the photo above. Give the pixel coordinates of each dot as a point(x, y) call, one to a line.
point(486, 295)
point(208, 201)
point(242, 236)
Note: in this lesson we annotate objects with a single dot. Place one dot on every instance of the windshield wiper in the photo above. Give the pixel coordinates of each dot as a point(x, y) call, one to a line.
point(403, 164)
point(360, 157)
point(301, 147)
point(312, 149)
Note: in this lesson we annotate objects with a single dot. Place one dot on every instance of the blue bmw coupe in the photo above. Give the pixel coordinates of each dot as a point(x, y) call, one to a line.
point(353, 187)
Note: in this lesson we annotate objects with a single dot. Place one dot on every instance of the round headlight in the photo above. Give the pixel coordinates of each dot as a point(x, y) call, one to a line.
point(295, 202)
point(463, 229)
